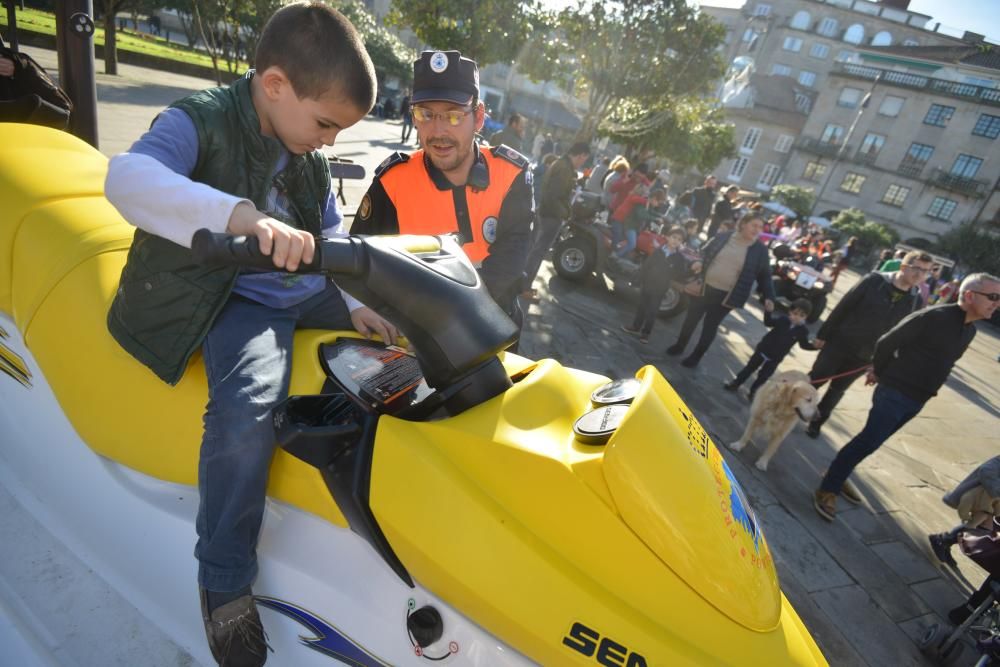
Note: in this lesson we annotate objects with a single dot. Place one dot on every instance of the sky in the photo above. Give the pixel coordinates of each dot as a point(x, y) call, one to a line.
point(982, 16)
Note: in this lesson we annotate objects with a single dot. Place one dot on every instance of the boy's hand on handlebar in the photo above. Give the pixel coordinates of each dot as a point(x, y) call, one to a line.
point(368, 322)
point(287, 246)
point(6, 67)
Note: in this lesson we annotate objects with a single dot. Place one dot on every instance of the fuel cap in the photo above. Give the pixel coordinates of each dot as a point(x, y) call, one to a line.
point(619, 391)
point(595, 427)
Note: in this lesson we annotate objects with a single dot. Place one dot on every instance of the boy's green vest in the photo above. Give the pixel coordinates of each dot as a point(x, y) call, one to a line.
point(166, 302)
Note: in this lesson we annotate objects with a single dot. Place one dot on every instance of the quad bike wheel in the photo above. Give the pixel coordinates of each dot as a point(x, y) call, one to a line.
point(674, 303)
point(574, 259)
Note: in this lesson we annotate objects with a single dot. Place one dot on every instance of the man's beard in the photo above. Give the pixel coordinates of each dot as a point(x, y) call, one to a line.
point(451, 161)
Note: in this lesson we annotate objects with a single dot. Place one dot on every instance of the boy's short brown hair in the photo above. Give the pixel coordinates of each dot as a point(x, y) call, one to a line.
point(677, 229)
point(318, 49)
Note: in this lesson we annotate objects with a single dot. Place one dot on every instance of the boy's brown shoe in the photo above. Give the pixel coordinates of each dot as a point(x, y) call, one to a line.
point(826, 504)
point(235, 633)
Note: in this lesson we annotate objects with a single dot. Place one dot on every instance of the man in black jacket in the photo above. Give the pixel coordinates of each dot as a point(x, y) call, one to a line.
point(723, 211)
point(910, 364)
point(846, 340)
point(700, 201)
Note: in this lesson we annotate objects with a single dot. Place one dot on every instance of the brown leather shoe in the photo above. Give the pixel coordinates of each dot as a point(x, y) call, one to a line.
point(825, 503)
point(235, 633)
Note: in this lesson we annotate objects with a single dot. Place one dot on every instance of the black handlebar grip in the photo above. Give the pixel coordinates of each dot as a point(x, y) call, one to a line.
point(210, 248)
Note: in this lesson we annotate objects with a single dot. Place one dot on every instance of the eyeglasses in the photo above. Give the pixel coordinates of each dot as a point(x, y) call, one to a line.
point(916, 269)
point(423, 115)
point(992, 296)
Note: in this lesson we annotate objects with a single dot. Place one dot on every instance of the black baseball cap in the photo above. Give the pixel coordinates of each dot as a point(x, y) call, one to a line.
point(444, 76)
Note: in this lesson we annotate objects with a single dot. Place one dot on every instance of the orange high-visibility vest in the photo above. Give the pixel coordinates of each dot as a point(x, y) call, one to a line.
point(422, 208)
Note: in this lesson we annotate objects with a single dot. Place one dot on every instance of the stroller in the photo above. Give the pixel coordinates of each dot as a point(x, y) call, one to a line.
point(980, 615)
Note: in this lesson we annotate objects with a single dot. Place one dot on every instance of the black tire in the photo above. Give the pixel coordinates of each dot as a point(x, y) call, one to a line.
point(574, 258)
point(674, 303)
point(818, 306)
point(930, 641)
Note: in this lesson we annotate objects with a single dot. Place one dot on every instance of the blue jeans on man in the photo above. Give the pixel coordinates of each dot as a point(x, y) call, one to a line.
point(891, 410)
point(248, 360)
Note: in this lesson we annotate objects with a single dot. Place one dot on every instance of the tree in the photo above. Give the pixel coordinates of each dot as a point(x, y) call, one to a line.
point(390, 56)
point(691, 134)
point(652, 55)
point(871, 235)
point(799, 199)
point(973, 246)
point(488, 31)
point(110, 9)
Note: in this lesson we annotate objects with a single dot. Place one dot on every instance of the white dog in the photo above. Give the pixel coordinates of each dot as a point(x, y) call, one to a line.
point(783, 399)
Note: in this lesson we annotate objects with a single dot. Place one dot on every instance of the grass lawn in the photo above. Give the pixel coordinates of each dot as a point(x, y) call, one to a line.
point(127, 40)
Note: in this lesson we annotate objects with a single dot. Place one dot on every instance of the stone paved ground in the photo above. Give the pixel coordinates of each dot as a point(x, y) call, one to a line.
point(865, 585)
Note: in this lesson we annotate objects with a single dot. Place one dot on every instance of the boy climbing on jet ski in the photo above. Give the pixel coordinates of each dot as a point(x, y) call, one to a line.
point(242, 159)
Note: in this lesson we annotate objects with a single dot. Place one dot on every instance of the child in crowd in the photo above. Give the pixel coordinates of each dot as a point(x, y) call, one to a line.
point(241, 159)
point(785, 332)
point(664, 266)
point(691, 226)
point(638, 218)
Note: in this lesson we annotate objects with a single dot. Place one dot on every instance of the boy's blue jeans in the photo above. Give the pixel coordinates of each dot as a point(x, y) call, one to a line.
point(248, 356)
point(890, 412)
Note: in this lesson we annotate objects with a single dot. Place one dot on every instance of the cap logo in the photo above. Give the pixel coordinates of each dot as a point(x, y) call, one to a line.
point(438, 62)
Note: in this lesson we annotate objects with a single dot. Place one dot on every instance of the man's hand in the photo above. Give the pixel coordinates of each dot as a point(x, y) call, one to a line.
point(870, 378)
point(287, 246)
point(818, 343)
point(368, 322)
point(768, 305)
point(6, 66)
point(696, 267)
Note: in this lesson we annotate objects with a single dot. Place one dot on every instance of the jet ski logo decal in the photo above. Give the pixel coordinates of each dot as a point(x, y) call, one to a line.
point(12, 363)
point(328, 639)
point(739, 518)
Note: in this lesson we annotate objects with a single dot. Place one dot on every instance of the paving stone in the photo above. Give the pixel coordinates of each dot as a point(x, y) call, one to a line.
point(939, 595)
point(872, 633)
point(800, 553)
point(910, 566)
point(836, 648)
point(870, 528)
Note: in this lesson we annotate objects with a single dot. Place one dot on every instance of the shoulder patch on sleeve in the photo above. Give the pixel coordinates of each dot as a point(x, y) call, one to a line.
point(507, 153)
point(390, 162)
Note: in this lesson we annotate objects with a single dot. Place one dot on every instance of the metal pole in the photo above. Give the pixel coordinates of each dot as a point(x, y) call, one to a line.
point(12, 26)
point(75, 47)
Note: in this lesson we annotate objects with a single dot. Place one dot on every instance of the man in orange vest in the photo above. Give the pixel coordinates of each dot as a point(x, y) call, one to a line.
point(453, 185)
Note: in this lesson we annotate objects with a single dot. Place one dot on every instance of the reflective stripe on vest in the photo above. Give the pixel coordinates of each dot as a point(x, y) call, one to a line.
point(423, 209)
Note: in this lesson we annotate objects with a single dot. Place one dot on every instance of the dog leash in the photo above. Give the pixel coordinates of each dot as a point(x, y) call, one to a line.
point(840, 375)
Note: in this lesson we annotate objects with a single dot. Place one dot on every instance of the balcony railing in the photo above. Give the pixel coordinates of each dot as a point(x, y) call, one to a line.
point(863, 157)
point(911, 169)
point(965, 91)
point(971, 187)
point(818, 147)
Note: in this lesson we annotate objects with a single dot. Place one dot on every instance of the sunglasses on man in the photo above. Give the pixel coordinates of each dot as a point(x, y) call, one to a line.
point(992, 296)
point(424, 115)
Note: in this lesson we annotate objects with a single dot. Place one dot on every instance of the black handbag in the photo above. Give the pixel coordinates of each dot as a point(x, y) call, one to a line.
point(31, 95)
point(982, 546)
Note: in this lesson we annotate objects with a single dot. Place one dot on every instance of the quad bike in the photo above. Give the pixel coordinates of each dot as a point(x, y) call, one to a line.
point(439, 504)
point(800, 276)
point(585, 248)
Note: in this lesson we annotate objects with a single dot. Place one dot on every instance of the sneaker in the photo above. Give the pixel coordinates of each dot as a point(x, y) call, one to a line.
point(825, 503)
point(813, 431)
point(941, 546)
point(732, 385)
point(234, 632)
point(629, 330)
point(851, 493)
point(675, 350)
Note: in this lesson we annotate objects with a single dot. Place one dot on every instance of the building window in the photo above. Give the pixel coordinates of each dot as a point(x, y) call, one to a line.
point(850, 98)
point(832, 134)
point(781, 70)
point(891, 106)
point(749, 35)
point(939, 115)
point(769, 176)
point(814, 171)
point(987, 126)
point(852, 182)
point(793, 44)
point(942, 208)
point(844, 56)
point(827, 27)
point(915, 159)
point(807, 78)
point(803, 102)
point(855, 34)
point(872, 144)
point(784, 143)
point(750, 140)
point(966, 166)
point(895, 195)
point(801, 20)
point(738, 169)
point(762, 9)
point(820, 51)
point(883, 38)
